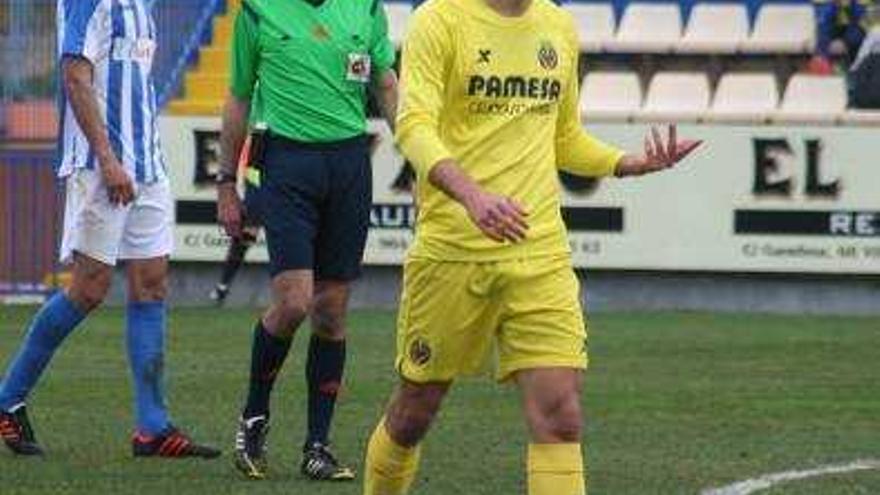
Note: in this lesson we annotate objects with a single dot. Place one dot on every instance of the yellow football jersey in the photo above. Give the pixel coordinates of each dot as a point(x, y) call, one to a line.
point(500, 95)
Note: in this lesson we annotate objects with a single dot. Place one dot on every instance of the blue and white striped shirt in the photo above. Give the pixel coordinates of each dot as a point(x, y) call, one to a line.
point(119, 38)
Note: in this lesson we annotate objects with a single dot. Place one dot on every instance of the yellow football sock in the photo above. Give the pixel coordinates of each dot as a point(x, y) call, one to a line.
point(556, 469)
point(391, 468)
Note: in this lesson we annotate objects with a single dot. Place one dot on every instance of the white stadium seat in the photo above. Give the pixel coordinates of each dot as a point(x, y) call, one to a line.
point(682, 96)
point(813, 99)
point(398, 15)
point(783, 28)
point(745, 98)
point(610, 96)
point(857, 117)
point(715, 28)
point(595, 23)
point(648, 28)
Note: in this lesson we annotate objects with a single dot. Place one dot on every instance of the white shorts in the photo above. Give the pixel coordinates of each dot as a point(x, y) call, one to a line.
point(105, 232)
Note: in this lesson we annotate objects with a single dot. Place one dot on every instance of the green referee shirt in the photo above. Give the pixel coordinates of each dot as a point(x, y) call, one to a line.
point(255, 117)
point(311, 64)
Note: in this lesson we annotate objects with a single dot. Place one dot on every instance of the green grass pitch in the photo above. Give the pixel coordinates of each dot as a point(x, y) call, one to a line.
point(675, 403)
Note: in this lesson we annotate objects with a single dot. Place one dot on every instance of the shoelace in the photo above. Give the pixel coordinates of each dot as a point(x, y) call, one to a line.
point(321, 463)
point(327, 457)
point(314, 466)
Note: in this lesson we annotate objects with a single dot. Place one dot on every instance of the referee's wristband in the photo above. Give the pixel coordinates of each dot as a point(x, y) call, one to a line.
point(225, 178)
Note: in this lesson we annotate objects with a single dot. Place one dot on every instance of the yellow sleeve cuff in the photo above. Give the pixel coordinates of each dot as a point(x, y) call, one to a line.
point(589, 157)
point(613, 162)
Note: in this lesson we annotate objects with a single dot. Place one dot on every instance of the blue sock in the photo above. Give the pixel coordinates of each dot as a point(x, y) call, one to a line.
point(145, 337)
point(51, 325)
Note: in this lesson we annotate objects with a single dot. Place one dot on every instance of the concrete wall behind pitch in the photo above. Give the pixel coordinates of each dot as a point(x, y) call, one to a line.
point(604, 291)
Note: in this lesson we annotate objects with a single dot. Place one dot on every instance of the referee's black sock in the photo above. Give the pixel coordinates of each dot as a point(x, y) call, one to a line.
point(324, 370)
point(267, 357)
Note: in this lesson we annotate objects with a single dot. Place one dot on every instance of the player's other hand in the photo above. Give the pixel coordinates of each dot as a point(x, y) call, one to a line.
point(120, 187)
point(658, 154)
point(229, 209)
point(499, 217)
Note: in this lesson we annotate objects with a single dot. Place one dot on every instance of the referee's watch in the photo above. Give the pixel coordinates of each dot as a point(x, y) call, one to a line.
point(225, 178)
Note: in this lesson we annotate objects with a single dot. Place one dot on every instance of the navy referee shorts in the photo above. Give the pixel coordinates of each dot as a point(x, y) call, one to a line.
point(315, 200)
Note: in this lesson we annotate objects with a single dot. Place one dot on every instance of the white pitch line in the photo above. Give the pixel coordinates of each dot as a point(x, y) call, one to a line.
point(768, 480)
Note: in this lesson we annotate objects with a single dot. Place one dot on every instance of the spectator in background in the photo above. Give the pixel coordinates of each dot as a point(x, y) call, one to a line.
point(840, 32)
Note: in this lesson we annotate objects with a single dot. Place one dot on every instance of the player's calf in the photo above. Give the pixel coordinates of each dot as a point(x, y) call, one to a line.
point(393, 452)
point(408, 426)
point(329, 309)
point(412, 411)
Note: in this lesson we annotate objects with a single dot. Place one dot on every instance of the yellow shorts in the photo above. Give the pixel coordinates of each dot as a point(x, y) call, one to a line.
point(453, 314)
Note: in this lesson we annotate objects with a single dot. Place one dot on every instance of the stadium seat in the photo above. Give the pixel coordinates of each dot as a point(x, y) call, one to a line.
point(813, 99)
point(398, 15)
point(32, 120)
point(783, 28)
point(745, 98)
point(854, 117)
point(610, 96)
point(215, 60)
point(681, 96)
point(648, 28)
point(207, 86)
point(595, 23)
point(715, 28)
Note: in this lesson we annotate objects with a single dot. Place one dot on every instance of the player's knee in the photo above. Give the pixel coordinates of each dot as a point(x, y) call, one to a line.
point(293, 297)
point(567, 425)
point(89, 292)
point(87, 298)
point(153, 288)
point(293, 309)
point(560, 420)
point(328, 323)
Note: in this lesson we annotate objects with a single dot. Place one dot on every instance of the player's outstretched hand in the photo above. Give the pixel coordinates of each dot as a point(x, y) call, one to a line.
point(120, 188)
point(499, 217)
point(229, 210)
point(658, 155)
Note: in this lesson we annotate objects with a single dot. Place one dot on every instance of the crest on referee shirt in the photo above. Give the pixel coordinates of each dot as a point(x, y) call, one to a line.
point(419, 352)
point(547, 55)
point(358, 68)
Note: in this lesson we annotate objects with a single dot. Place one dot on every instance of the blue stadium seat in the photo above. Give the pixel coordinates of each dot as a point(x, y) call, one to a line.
point(686, 5)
